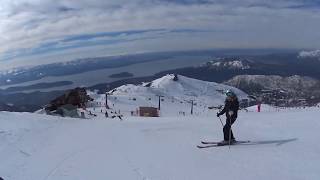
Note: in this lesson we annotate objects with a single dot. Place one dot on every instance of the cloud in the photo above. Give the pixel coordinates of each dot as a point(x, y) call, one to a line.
point(36, 27)
point(84, 40)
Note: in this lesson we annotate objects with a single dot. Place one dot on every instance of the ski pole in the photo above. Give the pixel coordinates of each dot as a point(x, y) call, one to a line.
point(221, 121)
point(230, 134)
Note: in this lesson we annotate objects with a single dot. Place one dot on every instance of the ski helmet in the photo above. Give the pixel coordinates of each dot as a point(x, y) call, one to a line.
point(230, 93)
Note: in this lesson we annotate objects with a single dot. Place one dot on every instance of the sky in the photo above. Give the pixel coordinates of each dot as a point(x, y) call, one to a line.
point(45, 31)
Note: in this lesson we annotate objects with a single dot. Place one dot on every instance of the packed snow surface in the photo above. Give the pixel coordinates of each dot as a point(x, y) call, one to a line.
point(41, 147)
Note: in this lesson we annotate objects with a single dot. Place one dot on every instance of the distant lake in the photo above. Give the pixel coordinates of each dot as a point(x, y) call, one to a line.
point(102, 76)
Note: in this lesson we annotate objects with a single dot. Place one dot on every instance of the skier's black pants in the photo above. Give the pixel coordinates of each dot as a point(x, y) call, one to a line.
point(227, 128)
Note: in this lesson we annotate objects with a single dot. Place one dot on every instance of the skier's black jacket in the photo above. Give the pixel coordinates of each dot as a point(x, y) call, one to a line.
point(231, 107)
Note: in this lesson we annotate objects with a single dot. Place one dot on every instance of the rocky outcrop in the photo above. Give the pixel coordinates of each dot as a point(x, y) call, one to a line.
point(77, 97)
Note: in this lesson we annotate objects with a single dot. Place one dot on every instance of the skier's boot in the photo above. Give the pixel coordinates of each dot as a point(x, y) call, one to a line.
point(223, 142)
point(233, 141)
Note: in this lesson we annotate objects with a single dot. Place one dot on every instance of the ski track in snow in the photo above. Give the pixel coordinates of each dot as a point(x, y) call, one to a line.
point(66, 158)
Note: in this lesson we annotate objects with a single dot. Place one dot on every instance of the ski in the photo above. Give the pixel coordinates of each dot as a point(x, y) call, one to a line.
point(215, 142)
point(209, 142)
point(207, 146)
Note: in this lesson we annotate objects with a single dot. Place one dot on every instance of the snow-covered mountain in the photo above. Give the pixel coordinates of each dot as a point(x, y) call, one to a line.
point(181, 89)
point(310, 54)
point(288, 91)
point(291, 84)
point(277, 82)
point(228, 63)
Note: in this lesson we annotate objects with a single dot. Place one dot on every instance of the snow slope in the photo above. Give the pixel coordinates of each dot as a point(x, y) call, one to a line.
point(41, 147)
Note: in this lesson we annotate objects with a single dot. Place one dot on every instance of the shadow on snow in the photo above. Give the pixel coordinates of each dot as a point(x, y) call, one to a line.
point(276, 142)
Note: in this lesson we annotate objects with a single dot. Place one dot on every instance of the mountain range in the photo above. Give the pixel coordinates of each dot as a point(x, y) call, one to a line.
point(213, 66)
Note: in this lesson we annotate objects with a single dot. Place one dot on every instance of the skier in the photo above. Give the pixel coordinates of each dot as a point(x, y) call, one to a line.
point(231, 108)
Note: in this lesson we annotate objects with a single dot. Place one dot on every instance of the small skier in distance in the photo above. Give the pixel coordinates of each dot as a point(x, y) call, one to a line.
point(231, 108)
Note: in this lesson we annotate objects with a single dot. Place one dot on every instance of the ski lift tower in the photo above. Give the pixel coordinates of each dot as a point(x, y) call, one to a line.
point(159, 105)
point(107, 107)
point(192, 103)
